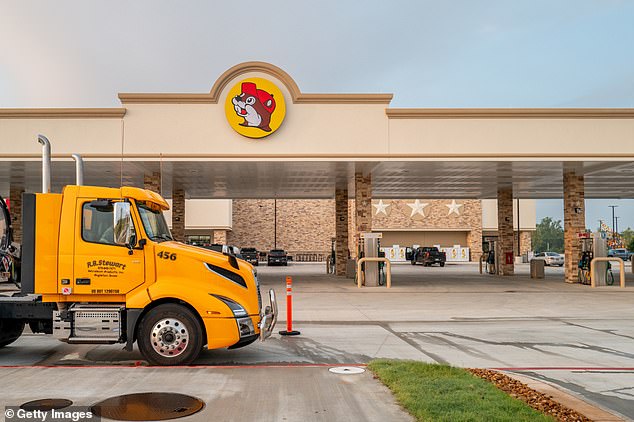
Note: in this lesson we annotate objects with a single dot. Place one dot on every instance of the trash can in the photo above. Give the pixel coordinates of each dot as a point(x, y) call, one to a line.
point(351, 268)
point(537, 268)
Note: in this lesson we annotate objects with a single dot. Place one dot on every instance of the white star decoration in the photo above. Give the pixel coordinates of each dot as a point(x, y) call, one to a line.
point(381, 207)
point(418, 208)
point(453, 207)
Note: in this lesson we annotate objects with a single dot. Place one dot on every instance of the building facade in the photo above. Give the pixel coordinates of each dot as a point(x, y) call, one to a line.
point(306, 228)
point(256, 135)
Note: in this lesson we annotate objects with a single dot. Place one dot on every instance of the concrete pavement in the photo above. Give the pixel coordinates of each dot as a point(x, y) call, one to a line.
point(578, 338)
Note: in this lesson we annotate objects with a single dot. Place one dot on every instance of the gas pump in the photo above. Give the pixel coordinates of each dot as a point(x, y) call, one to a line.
point(369, 245)
point(491, 262)
point(593, 246)
point(587, 253)
point(332, 258)
point(600, 249)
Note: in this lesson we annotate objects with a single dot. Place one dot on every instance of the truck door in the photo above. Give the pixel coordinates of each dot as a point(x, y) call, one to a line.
point(100, 265)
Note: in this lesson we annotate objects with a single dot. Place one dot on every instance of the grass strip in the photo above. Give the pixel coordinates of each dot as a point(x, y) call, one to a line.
point(433, 392)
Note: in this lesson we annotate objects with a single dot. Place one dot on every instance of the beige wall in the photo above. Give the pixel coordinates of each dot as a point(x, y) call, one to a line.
point(204, 214)
point(99, 136)
point(424, 238)
point(527, 214)
point(324, 127)
point(323, 131)
point(495, 137)
point(307, 129)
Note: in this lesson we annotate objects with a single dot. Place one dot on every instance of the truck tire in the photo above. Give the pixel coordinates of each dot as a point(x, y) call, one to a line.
point(170, 334)
point(10, 331)
point(442, 264)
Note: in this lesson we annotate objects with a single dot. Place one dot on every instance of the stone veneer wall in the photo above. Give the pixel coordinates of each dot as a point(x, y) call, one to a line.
point(15, 197)
point(152, 181)
point(526, 242)
point(307, 226)
point(398, 215)
point(574, 222)
point(505, 230)
point(220, 236)
point(303, 226)
point(178, 214)
point(341, 231)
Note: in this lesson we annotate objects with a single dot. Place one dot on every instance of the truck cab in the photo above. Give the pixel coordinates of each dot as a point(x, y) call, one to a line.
point(99, 265)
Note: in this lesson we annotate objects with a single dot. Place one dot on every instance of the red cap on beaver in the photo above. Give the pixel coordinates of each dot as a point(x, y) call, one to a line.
point(263, 96)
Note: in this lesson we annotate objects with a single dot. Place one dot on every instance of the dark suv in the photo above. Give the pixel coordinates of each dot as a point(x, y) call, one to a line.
point(250, 255)
point(277, 257)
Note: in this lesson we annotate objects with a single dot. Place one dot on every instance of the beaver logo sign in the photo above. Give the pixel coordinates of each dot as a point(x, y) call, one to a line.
point(255, 107)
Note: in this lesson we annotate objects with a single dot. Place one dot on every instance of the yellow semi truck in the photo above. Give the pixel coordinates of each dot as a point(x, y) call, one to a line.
point(99, 265)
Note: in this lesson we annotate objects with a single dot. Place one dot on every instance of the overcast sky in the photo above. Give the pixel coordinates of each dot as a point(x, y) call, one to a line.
point(467, 53)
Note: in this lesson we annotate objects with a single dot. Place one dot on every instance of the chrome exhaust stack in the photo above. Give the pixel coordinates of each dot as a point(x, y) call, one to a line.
point(46, 163)
point(79, 169)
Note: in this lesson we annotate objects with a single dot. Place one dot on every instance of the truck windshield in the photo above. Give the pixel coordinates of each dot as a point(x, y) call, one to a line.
point(154, 223)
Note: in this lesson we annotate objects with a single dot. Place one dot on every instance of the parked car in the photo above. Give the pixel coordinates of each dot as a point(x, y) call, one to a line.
point(550, 258)
point(622, 253)
point(277, 257)
point(250, 255)
point(428, 256)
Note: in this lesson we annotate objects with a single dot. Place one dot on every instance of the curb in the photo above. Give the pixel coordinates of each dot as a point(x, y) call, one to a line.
point(589, 410)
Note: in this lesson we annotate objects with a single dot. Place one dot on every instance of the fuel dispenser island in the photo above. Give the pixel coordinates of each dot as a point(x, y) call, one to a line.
point(373, 269)
point(593, 245)
point(488, 261)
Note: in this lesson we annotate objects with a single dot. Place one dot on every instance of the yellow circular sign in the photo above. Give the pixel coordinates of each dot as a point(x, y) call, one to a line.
point(255, 107)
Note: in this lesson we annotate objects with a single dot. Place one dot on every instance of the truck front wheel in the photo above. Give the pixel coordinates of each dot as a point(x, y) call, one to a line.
point(170, 334)
point(10, 330)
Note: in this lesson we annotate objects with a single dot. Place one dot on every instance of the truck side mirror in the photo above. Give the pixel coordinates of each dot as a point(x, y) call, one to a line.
point(122, 223)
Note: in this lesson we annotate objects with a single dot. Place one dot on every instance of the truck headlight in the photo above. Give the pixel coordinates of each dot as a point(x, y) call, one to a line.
point(245, 325)
point(236, 308)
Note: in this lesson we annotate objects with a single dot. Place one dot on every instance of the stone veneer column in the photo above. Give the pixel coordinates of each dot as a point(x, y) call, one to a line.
point(341, 230)
point(15, 199)
point(152, 181)
point(525, 242)
point(220, 237)
point(363, 206)
point(574, 222)
point(505, 229)
point(178, 214)
point(474, 242)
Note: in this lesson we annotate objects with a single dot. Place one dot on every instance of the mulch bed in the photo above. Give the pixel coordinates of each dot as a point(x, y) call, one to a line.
point(534, 399)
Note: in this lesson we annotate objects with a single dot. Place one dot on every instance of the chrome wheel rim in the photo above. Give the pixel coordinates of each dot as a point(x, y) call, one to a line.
point(169, 337)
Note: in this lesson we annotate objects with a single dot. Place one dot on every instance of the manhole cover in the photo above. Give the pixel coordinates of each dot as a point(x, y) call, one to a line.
point(347, 370)
point(46, 404)
point(148, 407)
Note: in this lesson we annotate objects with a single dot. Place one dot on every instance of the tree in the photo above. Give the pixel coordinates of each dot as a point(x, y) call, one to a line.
point(628, 238)
point(549, 236)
